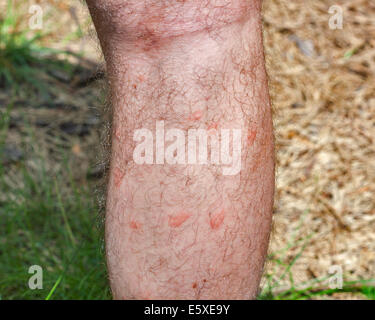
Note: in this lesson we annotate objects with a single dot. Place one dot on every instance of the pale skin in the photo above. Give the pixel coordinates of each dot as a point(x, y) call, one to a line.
point(186, 231)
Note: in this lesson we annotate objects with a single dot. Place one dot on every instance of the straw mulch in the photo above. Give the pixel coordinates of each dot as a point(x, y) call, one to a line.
point(323, 89)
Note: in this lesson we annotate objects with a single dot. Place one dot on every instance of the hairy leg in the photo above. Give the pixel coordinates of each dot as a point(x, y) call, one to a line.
point(175, 228)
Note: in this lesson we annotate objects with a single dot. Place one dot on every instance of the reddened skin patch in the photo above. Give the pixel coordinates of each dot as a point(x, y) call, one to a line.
point(117, 134)
point(178, 220)
point(217, 219)
point(251, 136)
point(212, 125)
point(135, 225)
point(197, 115)
point(155, 19)
point(118, 176)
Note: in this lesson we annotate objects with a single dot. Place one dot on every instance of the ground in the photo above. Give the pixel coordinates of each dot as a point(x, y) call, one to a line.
point(322, 84)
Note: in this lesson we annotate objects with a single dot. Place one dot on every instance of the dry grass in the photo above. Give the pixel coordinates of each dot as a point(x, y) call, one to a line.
point(325, 127)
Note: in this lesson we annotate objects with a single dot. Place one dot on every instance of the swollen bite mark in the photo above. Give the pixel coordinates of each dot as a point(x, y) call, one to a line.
point(117, 134)
point(196, 115)
point(216, 220)
point(212, 125)
point(141, 78)
point(212, 128)
point(118, 176)
point(135, 225)
point(252, 134)
point(178, 220)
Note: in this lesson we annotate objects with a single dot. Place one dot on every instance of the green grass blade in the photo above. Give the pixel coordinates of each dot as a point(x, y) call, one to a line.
point(54, 288)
